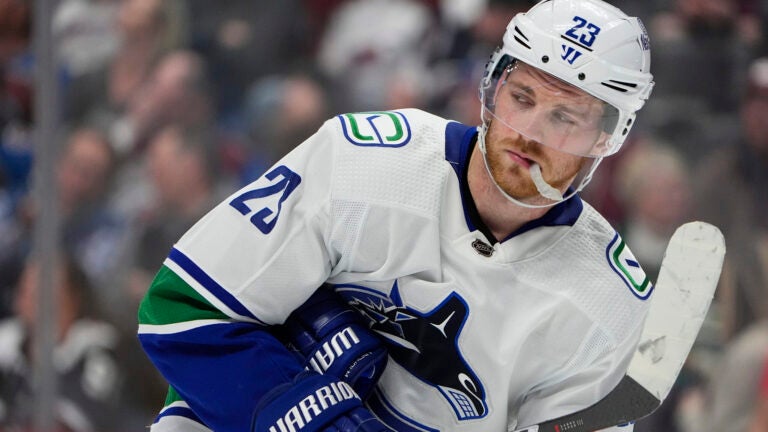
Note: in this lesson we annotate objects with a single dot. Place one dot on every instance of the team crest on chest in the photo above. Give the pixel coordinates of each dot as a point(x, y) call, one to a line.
point(416, 339)
point(376, 129)
point(624, 263)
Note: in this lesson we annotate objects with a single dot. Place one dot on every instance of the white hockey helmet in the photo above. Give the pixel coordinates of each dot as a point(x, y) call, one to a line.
point(589, 44)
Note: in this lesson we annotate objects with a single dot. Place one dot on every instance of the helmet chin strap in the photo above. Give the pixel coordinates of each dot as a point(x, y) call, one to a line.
point(545, 190)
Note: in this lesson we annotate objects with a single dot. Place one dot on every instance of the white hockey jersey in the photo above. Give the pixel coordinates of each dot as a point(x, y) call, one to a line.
point(482, 335)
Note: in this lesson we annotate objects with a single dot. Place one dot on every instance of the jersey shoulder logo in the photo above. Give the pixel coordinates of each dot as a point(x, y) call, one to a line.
point(416, 339)
point(376, 128)
point(624, 263)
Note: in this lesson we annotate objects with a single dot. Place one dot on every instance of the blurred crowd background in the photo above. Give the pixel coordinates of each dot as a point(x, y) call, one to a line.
point(168, 106)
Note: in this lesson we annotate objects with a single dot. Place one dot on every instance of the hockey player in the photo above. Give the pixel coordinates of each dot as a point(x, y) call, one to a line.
point(465, 285)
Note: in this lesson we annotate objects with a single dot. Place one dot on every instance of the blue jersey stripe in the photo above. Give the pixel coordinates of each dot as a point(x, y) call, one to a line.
point(179, 412)
point(459, 140)
point(210, 284)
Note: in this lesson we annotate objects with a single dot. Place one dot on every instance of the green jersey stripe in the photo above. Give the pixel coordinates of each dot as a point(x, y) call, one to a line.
point(173, 396)
point(171, 300)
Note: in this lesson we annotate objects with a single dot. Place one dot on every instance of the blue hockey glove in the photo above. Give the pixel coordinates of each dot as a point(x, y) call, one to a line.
point(333, 340)
point(314, 403)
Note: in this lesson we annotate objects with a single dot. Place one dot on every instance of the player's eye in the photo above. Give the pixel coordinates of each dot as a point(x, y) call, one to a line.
point(563, 118)
point(522, 100)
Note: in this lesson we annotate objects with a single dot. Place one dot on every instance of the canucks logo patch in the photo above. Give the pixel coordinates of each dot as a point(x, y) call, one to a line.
point(376, 129)
point(624, 263)
point(415, 339)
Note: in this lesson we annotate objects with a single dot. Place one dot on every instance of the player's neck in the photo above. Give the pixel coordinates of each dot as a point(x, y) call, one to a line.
point(500, 215)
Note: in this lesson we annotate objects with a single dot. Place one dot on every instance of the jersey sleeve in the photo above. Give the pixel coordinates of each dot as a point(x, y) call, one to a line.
point(205, 321)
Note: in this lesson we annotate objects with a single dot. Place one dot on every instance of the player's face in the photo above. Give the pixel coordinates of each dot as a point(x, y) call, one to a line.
point(548, 110)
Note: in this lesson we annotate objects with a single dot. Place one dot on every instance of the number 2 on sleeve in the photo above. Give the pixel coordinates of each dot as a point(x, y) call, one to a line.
point(287, 181)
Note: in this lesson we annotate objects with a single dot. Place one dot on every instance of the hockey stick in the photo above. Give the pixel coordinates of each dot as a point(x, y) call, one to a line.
point(684, 290)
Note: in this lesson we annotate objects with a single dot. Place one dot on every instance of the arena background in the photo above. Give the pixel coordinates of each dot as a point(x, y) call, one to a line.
point(123, 121)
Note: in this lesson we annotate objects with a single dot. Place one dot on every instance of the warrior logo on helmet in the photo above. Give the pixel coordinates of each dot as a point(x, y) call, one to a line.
point(645, 41)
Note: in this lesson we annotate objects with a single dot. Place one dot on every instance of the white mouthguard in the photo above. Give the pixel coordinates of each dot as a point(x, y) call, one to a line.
point(542, 186)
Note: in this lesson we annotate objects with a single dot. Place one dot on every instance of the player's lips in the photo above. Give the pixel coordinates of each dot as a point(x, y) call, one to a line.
point(521, 159)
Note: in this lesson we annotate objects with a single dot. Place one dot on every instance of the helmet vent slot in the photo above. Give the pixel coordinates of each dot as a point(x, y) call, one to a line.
point(520, 32)
point(522, 35)
point(619, 85)
point(624, 83)
point(520, 41)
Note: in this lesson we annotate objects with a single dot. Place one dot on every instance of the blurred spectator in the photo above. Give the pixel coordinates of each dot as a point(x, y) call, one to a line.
point(735, 385)
point(470, 31)
point(760, 415)
point(244, 40)
point(695, 113)
point(280, 112)
point(15, 133)
point(480, 34)
point(15, 102)
point(318, 13)
point(761, 8)
point(177, 91)
point(15, 28)
point(703, 35)
point(654, 188)
point(368, 43)
point(732, 193)
point(85, 34)
point(643, 9)
point(147, 29)
point(181, 168)
point(460, 102)
point(89, 377)
point(15, 140)
point(91, 233)
point(461, 14)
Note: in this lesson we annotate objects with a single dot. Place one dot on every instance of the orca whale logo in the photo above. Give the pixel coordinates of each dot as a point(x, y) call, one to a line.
point(425, 344)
